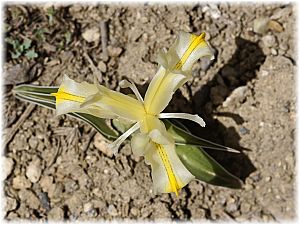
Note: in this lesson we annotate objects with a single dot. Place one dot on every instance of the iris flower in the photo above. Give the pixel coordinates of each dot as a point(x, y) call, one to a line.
point(153, 141)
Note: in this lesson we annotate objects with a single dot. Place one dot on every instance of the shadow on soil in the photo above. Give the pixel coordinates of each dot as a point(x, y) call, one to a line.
point(239, 70)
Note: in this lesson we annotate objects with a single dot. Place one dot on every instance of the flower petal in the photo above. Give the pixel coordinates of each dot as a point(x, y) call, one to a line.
point(139, 144)
point(161, 90)
point(186, 50)
point(71, 94)
point(120, 104)
point(186, 116)
point(116, 144)
point(168, 172)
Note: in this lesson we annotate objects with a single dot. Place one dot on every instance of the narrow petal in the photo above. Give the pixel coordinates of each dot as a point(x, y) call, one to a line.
point(185, 116)
point(131, 85)
point(168, 172)
point(161, 90)
point(116, 144)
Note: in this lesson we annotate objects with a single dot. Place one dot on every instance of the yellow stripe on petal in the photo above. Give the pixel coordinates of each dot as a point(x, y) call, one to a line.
point(62, 96)
point(174, 183)
point(195, 42)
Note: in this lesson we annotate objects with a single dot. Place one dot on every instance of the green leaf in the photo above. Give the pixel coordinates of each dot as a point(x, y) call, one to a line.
point(26, 43)
point(15, 55)
point(41, 95)
point(31, 54)
point(205, 168)
point(183, 136)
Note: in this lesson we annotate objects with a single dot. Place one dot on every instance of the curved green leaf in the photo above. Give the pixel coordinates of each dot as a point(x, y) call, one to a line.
point(205, 168)
point(183, 136)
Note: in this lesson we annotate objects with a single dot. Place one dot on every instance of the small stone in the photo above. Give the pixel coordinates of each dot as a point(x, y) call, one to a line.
point(102, 66)
point(231, 205)
point(237, 96)
point(11, 204)
point(264, 73)
point(275, 26)
point(244, 130)
point(56, 214)
point(91, 35)
point(281, 12)
point(88, 207)
point(20, 182)
point(274, 51)
point(134, 211)
point(34, 170)
point(269, 40)
point(112, 210)
point(268, 178)
point(46, 182)
point(71, 186)
point(114, 51)
point(245, 207)
point(260, 25)
point(102, 145)
point(29, 198)
point(33, 142)
point(283, 46)
point(8, 165)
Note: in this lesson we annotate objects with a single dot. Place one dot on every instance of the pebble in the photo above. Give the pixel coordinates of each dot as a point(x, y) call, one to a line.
point(70, 186)
point(30, 198)
point(114, 51)
point(244, 130)
point(91, 35)
point(102, 66)
point(134, 211)
point(8, 165)
point(88, 207)
point(264, 73)
point(237, 96)
point(102, 145)
point(245, 207)
point(112, 210)
point(231, 205)
point(279, 13)
point(56, 214)
point(33, 142)
point(34, 170)
point(274, 51)
point(269, 40)
point(20, 182)
point(260, 25)
point(11, 204)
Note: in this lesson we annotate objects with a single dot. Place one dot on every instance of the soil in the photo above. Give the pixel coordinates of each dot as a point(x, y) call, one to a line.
point(246, 96)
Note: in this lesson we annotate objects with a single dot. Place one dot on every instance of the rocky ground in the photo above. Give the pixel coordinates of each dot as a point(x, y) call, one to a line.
point(56, 168)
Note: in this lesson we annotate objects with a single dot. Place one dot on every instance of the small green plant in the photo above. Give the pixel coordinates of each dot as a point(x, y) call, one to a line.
point(39, 34)
point(50, 14)
point(21, 48)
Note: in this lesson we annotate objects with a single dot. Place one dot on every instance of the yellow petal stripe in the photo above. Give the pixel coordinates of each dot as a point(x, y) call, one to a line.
point(174, 185)
point(195, 41)
point(61, 96)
